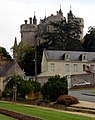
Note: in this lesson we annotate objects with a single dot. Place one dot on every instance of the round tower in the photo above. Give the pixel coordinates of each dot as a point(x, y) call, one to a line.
point(27, 31)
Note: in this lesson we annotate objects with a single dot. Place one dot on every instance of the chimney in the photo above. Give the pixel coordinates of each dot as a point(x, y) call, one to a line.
point(25, 21)
point(30, 20)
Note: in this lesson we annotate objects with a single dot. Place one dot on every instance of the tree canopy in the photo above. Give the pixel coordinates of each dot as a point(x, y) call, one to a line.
point(66, 36)
point(5, 54)
point(89, 40)
point(24, 87)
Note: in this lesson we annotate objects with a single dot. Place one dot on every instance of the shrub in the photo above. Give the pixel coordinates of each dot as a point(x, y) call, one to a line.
point(54, 87)
point(67, 100)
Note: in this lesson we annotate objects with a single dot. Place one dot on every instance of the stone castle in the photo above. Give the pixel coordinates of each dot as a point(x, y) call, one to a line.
point(29, 29)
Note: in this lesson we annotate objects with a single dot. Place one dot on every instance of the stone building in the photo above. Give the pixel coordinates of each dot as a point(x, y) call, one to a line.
point(7, 70)
point(29, 30)
point(68, 63)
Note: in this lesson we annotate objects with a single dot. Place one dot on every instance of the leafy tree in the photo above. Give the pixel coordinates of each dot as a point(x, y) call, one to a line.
point(55, 87)
point(5, 54)
point(23, 87)
point(26, 59)
point(89, 40)
point(66, 36)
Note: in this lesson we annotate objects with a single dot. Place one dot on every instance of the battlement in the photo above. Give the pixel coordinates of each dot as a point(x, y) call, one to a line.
point(27, 28)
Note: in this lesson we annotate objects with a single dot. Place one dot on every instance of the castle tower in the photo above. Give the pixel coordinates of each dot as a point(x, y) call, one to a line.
point(34, 20)
point(71, 18)
point(27, 31)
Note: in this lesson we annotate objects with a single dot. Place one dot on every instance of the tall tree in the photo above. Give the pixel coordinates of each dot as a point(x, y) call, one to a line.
point(66, 36)
point(89, 40)
point(26, 59)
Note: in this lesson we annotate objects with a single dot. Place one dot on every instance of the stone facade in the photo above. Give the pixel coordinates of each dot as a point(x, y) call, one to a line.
point(29, 30)
point(8, 70)
point(67, 63)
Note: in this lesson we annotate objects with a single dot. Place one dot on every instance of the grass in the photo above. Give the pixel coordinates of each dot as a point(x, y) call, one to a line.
point(43, 113)
point(93, 92)
point(3, 117)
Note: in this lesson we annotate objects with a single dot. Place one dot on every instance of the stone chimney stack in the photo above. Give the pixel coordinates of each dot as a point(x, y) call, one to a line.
point(30, 20)
point(25, 21)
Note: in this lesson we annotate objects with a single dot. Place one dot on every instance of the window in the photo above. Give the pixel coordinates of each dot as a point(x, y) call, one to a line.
point(84, 67)
point(84, 57)
point(75, 67)
point(52, 66)
point(67, 57)
point(67, 67)
point(91, 67)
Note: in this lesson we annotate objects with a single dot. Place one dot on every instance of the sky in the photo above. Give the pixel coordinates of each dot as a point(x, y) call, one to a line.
point(14, 12)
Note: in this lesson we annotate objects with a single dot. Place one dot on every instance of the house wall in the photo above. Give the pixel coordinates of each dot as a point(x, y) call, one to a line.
point(60, 69)
point(1, 84)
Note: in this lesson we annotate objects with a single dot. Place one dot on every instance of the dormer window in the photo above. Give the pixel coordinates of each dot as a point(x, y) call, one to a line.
point(67, 57)
point(84, 57)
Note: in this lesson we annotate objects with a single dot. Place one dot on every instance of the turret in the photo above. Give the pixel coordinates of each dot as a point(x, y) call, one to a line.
point(15, 49)
point(34, 20)
point(60, 12)
point(70, 15)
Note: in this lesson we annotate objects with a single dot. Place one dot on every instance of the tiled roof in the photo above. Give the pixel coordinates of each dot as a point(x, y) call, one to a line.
point(6, 67)
point(74, 55)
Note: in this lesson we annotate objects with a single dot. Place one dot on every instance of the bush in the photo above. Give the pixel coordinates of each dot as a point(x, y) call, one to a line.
point(54, 87)
point(67, 100)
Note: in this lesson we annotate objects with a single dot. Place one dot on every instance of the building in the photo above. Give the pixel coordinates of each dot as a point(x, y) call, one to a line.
point(29, 30)
point(67, 63)
point(7, 70)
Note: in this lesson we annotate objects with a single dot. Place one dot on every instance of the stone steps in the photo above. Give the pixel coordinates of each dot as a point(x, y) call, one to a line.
point(81, 109)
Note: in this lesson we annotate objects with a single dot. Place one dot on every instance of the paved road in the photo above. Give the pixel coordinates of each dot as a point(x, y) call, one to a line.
point(80, 96)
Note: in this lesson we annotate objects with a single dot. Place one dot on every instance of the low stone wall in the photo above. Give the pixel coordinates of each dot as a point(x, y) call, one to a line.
point(82, 77)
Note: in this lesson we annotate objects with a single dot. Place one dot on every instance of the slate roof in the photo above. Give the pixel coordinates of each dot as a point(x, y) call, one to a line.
point(74, 55)
point(6, 67)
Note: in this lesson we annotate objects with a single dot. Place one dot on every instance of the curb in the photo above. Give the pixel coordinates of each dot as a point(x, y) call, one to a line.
point(88, 94)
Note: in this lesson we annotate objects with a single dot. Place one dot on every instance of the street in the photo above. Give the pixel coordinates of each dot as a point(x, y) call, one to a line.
point(80, 96)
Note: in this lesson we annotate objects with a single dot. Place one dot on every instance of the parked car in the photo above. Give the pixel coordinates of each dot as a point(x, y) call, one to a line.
point(82, 83)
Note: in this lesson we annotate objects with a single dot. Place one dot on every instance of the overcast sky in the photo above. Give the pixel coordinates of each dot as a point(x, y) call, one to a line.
point(14, 12)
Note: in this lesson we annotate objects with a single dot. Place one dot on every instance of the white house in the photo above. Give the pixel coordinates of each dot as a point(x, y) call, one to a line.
point(65, 63)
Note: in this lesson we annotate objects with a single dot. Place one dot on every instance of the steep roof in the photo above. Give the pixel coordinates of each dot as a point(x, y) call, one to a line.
point(74, 55)
point(6, 67)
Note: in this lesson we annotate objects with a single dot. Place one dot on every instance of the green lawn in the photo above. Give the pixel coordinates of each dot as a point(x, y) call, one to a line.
point(3, 117)
point(93, 92)
point(43, 113)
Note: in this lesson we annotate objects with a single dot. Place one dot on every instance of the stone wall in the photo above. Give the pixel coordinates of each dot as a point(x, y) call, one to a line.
point(82, 77)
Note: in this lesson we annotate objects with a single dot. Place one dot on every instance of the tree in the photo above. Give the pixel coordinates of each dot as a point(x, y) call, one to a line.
point(5, 54)
point(23, 87)
point(26, 58)
point(54, 87)
point(66, 36)
point(89, 40)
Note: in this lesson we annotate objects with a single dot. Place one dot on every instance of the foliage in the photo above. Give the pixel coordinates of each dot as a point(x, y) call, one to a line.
point(55, 87)
point(66, 36)
point(5, 54)
point(89, 40)
point(67, 100)
point(26, 59)
point(23, 87)
point(43, 113)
